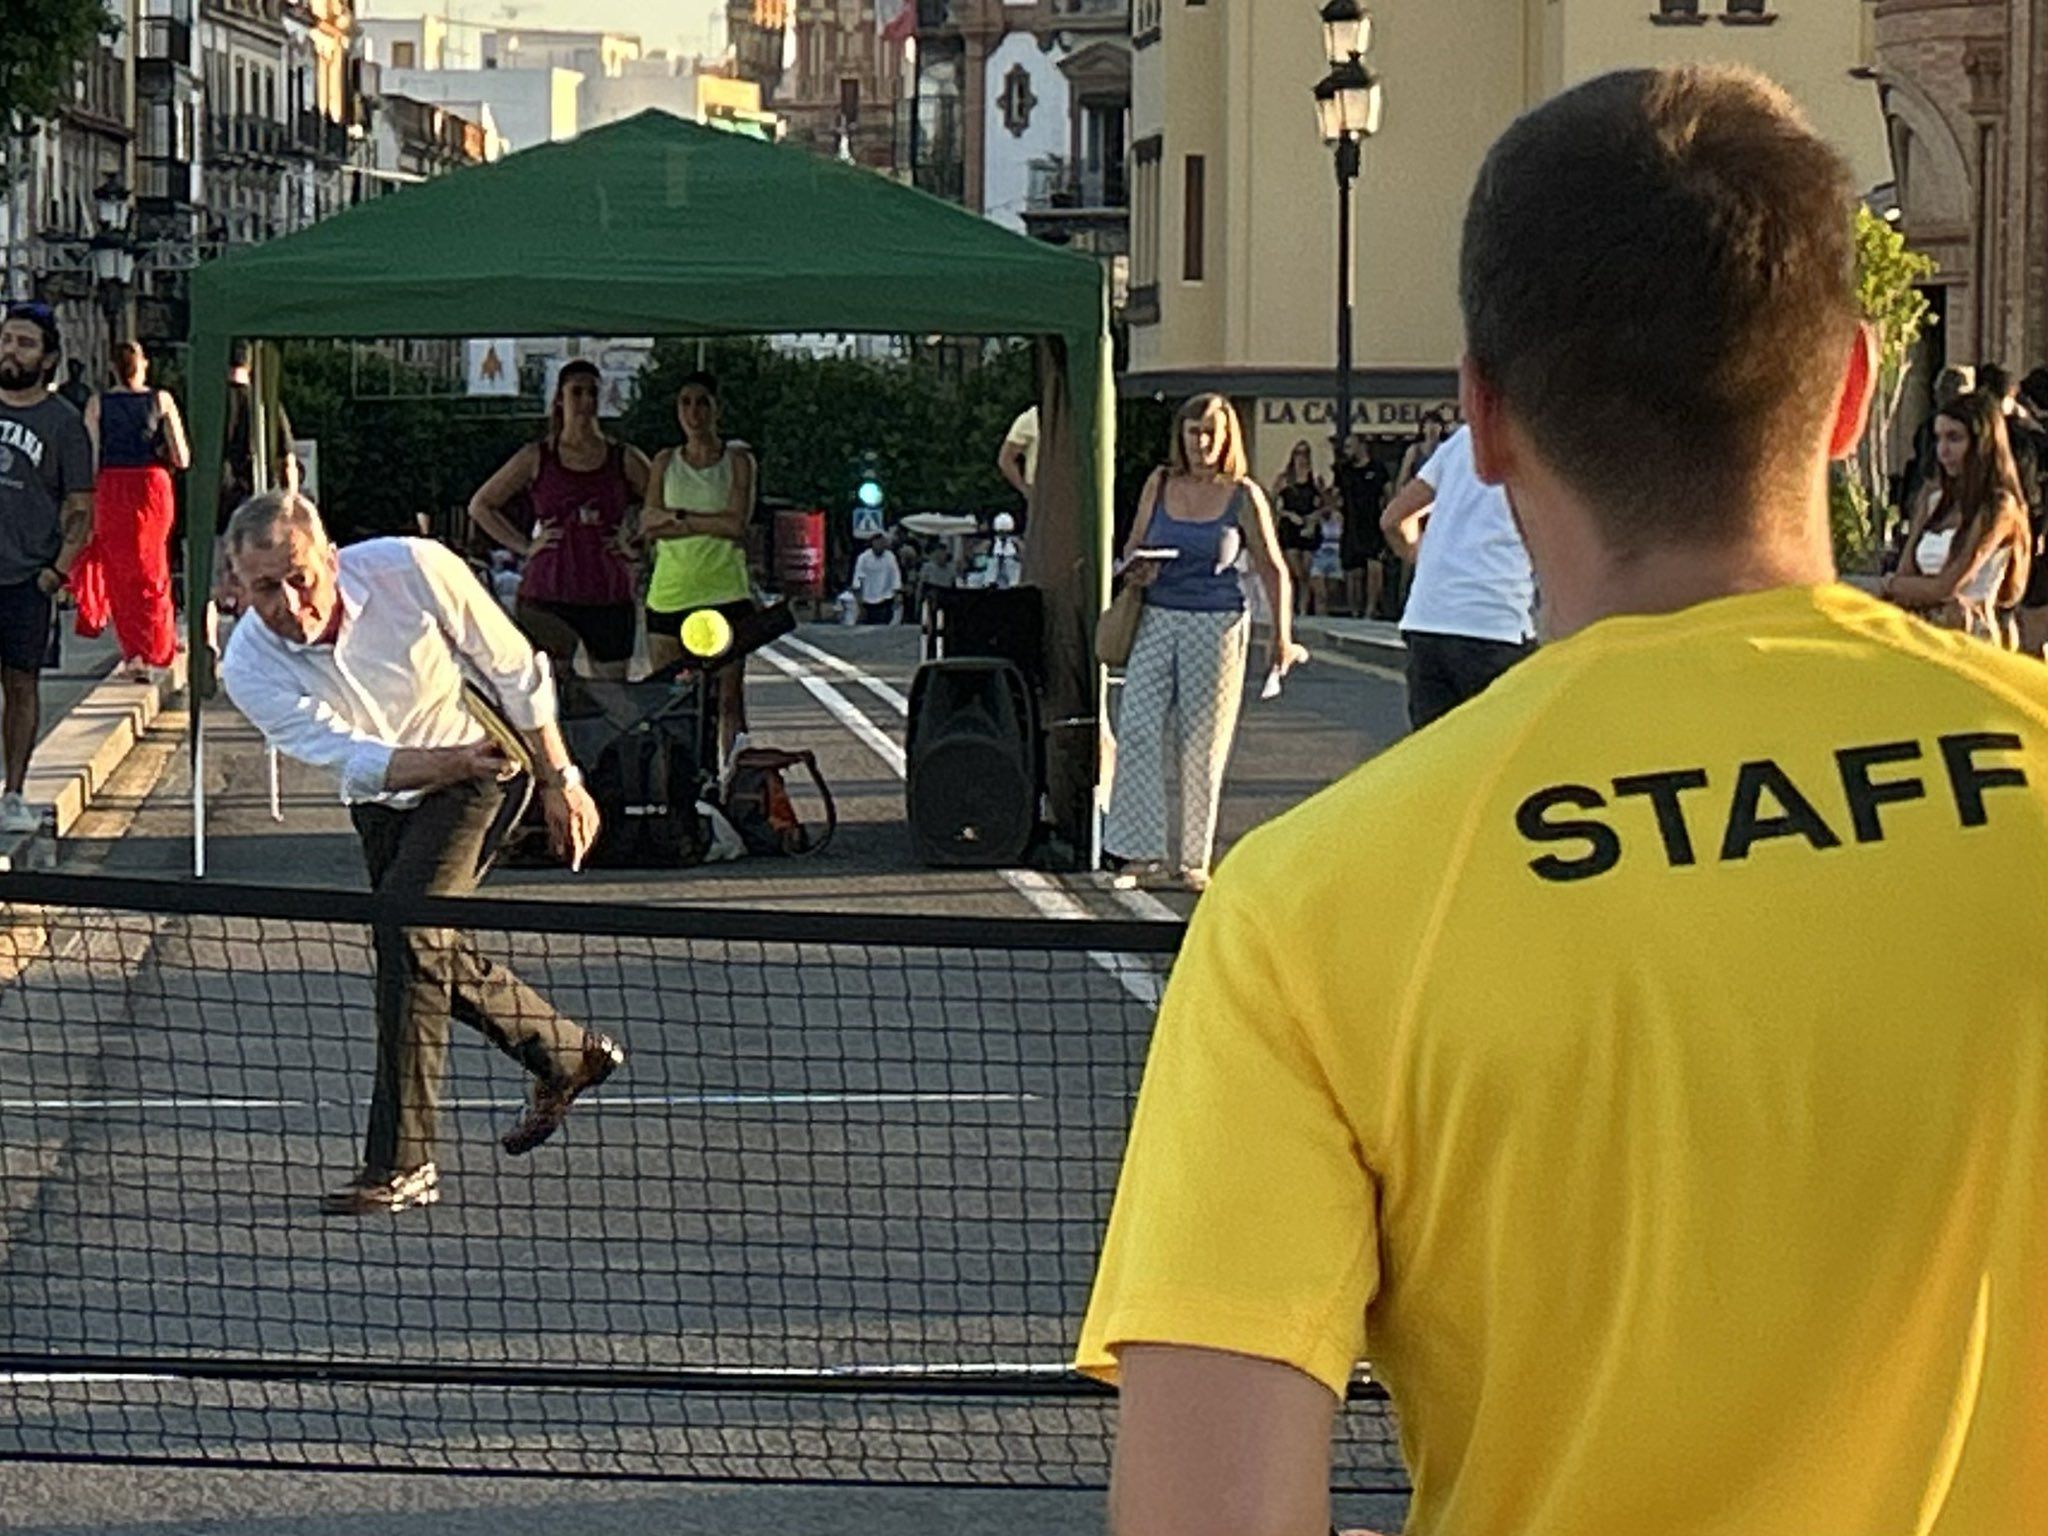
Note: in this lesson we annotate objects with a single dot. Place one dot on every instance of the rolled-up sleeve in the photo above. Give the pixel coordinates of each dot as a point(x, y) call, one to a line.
point(488, 640)
point(304, 728)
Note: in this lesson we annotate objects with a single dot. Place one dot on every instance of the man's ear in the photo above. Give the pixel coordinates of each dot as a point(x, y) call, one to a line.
point(1854, 394)
point(1492, 454)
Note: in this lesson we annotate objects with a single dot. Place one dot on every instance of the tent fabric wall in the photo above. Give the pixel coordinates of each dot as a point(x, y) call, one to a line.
point(655, 226)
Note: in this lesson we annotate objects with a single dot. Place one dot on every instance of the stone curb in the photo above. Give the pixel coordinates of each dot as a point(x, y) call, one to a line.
point(80, 753)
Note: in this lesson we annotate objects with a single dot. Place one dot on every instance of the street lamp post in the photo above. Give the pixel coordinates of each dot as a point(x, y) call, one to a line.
point(112, 252)
point(1349, 102)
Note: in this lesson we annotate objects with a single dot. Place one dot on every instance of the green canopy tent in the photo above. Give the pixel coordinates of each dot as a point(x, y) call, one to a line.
point(658, 227)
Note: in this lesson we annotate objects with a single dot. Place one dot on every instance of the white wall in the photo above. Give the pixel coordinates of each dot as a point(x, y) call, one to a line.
point(614, 99)
point(529, 106)
point(1009, 157)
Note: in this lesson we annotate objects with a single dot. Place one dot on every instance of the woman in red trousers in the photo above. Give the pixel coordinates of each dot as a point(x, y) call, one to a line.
point(140, 440)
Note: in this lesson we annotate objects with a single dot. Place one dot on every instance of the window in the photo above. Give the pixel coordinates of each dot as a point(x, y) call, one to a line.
point(1677, 13)
point(1145, 231)
point(1194, 223)
point(402, 55)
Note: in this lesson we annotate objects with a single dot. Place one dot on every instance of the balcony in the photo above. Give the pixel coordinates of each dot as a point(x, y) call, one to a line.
point(321, 136)
point(166, 179)
point(1093, 15)
point(242, 135)
point(165, 39)
point(1058, 184)
point(1084, 207)
point(101, 92)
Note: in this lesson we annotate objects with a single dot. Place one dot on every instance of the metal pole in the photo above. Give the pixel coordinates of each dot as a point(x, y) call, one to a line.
point(1347, 176)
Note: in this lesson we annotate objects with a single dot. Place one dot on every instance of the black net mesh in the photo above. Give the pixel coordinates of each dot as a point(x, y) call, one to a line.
point(834, 1220)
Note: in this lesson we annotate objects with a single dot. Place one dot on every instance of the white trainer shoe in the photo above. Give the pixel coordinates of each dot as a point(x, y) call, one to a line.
point(16, 815)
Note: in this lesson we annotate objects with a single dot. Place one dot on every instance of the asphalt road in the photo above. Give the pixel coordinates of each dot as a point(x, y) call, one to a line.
point(819, 1157)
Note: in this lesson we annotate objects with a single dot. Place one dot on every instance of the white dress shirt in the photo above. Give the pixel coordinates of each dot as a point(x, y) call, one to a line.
point(413, 617)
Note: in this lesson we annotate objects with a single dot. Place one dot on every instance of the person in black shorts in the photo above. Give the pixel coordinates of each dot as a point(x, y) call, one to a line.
point(1297, 516)
point(46, 475)
point(1362, 482)
point(582, 492)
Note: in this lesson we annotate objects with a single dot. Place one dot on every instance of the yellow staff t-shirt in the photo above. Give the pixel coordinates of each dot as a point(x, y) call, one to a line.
point(1646, 1069)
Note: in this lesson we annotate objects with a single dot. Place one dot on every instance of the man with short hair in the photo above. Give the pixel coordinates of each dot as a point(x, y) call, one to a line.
point(1470, 613)
point(1662, 1194)
point(354, 660)
point(46, 475)
point(877, 579)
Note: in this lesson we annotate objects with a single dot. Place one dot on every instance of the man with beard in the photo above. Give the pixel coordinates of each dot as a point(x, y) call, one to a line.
point(45, 521)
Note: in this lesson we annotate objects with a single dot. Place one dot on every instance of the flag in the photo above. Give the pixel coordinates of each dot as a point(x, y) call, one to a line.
point(899, 27)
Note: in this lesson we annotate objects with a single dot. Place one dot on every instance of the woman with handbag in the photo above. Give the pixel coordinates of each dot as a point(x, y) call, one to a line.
point(1196, 517)
point(125, 574)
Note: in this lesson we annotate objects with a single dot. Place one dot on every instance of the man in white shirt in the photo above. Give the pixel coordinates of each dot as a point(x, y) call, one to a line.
point(1017, 461)
point(352, 660)
point(1470, 611)
point(877, 578)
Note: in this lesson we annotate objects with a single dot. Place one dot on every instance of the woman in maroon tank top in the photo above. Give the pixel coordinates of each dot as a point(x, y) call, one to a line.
point(579, 585)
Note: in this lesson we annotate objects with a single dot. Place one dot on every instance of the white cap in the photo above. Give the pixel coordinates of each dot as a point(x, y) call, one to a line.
point(1005, 523)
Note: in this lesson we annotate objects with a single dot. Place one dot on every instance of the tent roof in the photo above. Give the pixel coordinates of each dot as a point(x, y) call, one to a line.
point(652, 226)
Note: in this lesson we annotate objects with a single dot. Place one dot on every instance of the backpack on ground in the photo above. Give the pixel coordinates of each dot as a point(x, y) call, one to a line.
point(756, 801)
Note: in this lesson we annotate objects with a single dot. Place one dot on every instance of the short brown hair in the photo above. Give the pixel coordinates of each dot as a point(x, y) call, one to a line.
point(1659, 282)
point(127, 356)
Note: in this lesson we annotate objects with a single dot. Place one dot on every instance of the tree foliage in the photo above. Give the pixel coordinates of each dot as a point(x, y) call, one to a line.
point(41, 46)
point(930, 425)
point(1888, 279)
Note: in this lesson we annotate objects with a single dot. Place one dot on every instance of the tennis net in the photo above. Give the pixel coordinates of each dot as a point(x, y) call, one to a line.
point(834, 1221)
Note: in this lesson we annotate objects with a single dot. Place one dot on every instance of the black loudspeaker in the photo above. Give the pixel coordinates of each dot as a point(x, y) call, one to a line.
point(971, 794)
point(1005, 622)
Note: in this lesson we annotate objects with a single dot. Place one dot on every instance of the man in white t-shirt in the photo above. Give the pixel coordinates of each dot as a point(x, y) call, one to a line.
point(1018, 459)
point(1471, 607)
point(877, 578)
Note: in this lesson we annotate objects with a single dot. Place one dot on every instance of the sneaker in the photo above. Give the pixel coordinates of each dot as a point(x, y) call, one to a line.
point(1196, 880)
point(16, 815)
point(601, 1058)
point(1129, 874)
point(368, 1192)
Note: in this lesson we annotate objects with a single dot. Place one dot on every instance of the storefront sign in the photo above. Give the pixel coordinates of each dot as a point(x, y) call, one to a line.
point(1377, 416)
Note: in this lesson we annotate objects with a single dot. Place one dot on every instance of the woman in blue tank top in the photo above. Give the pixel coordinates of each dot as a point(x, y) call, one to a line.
point(1200, 520)
point(125, 574)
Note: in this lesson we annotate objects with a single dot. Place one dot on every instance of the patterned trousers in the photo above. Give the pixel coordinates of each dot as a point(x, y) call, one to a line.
point(1192, 666)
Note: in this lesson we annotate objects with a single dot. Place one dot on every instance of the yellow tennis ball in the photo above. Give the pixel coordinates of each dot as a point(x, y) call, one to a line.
point(707, 633)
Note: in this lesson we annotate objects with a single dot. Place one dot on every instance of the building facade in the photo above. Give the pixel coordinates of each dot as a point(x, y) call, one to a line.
point(842, 90)
point(756, 33)
point(1964, 84)
point(1234, 203)
point(54, 176)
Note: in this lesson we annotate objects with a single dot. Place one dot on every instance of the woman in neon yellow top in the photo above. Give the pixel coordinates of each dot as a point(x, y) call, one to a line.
point(700, 497)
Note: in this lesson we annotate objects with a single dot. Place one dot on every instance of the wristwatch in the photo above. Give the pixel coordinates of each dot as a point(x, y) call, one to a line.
point(570, 777)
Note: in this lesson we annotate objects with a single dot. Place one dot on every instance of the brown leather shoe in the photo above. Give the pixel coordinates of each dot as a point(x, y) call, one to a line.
point(368, 1192)
point(601, 1058)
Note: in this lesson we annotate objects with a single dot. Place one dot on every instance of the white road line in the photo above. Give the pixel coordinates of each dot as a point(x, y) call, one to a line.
point(846, 669)
point(1129, 972)
point(1138, 903)
point(841, 709)
point(605, 1101)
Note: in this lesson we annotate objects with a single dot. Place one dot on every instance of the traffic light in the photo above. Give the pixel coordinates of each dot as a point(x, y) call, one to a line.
point(870, 493)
